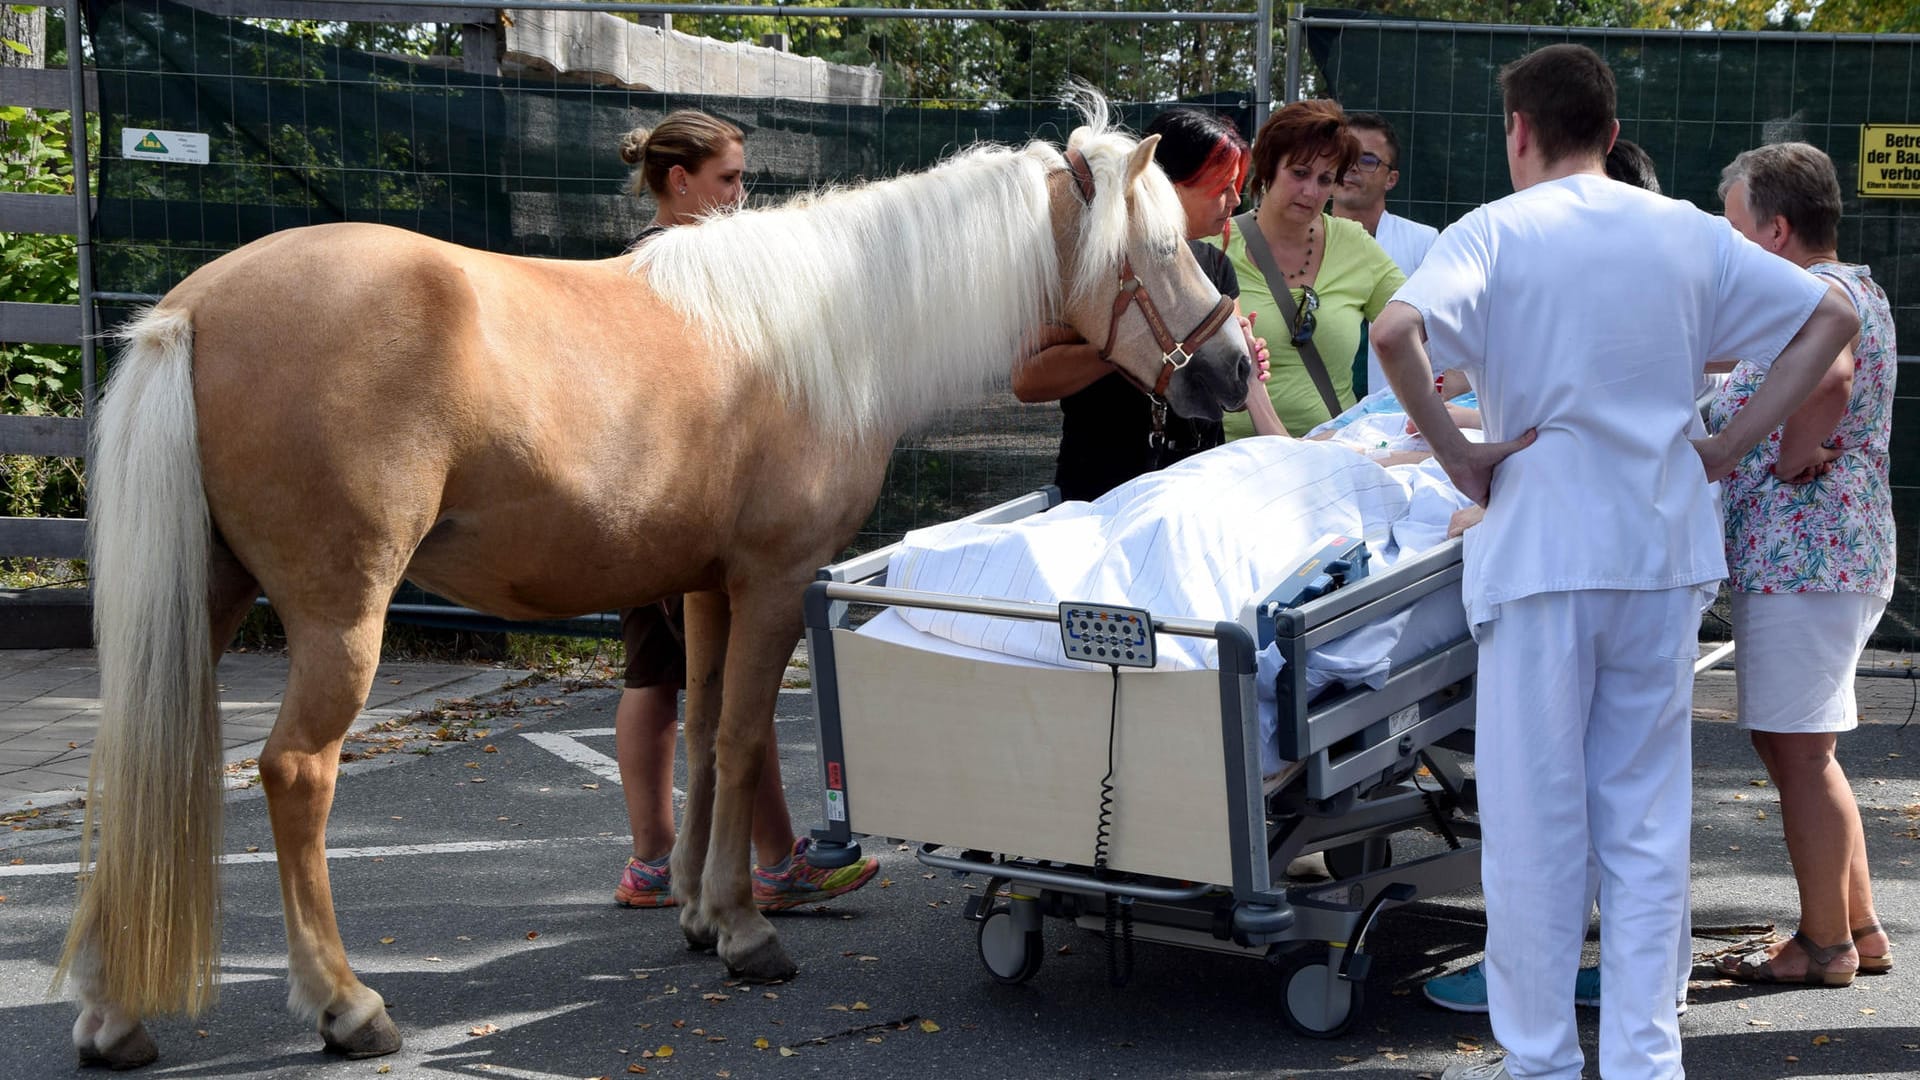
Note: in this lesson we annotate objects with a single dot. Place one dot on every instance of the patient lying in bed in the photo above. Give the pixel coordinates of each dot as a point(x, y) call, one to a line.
point(1202, 539)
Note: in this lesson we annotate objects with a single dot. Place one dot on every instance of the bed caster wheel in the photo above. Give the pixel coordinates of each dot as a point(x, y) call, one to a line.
point(1316, 1001)
point(1011, 952)
point(1362, 857)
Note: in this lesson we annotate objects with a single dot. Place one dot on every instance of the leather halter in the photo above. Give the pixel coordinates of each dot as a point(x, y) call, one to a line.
point(1174, 355)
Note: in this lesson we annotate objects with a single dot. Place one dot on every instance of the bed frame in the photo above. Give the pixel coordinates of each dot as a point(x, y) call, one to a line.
point(1002, 770)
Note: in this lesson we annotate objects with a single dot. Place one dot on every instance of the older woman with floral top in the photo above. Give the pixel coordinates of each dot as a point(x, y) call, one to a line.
point(1810, 545)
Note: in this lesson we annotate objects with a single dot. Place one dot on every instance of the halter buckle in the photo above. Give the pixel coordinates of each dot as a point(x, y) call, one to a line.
point(1180, 351)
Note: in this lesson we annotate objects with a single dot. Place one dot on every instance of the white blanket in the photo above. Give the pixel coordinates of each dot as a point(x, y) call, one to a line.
point(1201, 539)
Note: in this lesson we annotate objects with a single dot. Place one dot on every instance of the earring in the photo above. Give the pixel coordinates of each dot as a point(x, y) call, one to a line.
point(683, 190)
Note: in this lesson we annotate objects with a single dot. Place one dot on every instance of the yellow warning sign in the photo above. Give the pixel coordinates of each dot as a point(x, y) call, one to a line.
point(1890, 161)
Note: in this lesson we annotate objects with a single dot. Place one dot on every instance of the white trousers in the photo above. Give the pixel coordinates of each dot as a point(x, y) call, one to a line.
point(1583, 748)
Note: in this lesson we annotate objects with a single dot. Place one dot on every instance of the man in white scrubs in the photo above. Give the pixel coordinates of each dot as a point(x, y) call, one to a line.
point(1583, 310)
point(1362, 197)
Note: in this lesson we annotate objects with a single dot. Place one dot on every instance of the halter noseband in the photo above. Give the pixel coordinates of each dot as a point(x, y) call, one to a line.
point(1174, 355)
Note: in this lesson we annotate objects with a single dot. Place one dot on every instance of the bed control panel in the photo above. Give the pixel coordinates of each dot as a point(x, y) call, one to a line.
point(1104, 634)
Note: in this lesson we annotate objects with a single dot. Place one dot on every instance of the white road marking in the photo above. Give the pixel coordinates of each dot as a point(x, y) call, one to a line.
point(242, 858)
point(566, 746)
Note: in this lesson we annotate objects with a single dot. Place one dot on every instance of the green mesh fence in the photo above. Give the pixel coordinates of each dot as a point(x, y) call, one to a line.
point(302, 134)
point(1693, 102)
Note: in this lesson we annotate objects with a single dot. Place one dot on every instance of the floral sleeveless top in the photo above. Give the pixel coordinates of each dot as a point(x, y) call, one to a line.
point(1836, 533)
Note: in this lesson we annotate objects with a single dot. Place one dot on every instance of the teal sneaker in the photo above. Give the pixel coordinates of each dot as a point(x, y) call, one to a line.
point(800, 882)
point(1466, 990)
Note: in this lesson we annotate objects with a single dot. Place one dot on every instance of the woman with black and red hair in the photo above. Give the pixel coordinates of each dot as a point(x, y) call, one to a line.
point(1107, 435)
point(1326, 271)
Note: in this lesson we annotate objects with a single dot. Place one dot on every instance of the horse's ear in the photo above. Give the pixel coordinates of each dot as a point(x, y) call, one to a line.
point(1142, 157)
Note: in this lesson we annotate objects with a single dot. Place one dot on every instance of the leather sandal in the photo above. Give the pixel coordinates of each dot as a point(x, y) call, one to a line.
point(1757, 966)
point(1873, 965)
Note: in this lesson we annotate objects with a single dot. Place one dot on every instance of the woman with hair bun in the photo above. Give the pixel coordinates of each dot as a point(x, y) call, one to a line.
point(692, 164)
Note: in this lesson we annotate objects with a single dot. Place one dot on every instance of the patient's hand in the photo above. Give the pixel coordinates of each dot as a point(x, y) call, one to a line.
point(1463, 418)
point(1463, 520)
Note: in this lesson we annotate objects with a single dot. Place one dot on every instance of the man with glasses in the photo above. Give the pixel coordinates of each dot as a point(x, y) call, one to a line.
point(1362, 197)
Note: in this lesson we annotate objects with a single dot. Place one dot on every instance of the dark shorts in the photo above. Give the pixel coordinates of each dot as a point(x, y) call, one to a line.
point(656, 637)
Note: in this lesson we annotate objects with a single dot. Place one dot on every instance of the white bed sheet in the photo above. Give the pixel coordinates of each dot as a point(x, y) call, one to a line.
point(1201, 539)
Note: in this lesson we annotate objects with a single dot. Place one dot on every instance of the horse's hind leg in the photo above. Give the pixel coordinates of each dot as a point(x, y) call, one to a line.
point(231, 591)
point(334, 654)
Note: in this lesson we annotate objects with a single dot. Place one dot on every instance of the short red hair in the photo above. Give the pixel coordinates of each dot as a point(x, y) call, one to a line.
point(1299, 133)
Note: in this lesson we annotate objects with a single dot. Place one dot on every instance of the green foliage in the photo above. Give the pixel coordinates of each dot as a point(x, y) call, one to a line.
point(39, 380)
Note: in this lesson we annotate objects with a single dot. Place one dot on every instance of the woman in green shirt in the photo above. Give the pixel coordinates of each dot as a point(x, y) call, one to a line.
point(1330, 273)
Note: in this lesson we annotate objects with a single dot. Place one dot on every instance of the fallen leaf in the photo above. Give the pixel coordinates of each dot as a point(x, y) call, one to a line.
point(1345, 1059)
point(1465, 1047)
point(861, 1006)
point(663, 1052)
point(477, 780)
point(483, 1029)
point(253, 847)
point(771, 996)
point(1757, 1022)
point(1821, 1040)
point(886, 883)
point(787, 1051)
point(531, 934)
point(1064, 950)
point(929, 1026)
point(761, 1043)
point(591, 787)
point(202, 1033)
point(386, 941)
point(867, 959)
point(875, 1039)
point(716, 1038)
point(1866, 1012)
point(636, 1067)
point(836, 1008)
point(384, 1070)
point(713, 997)
point(472, 765)
point(489, 749)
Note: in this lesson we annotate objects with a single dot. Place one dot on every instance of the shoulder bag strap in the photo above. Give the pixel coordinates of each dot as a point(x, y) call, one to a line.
point(1283, 299)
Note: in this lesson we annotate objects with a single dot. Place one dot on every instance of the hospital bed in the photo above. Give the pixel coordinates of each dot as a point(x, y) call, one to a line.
point(1133, 801)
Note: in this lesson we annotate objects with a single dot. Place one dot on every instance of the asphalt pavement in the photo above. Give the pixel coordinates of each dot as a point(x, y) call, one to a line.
point(475, 850)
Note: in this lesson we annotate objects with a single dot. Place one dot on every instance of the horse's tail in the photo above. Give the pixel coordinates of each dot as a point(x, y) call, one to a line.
point(146, 929)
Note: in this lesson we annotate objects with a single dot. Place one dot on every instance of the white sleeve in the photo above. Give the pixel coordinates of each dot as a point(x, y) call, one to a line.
point(1451, 290)
point(1763, 301)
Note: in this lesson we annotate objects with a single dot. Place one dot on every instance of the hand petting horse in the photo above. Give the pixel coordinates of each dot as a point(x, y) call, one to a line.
point(330, 410)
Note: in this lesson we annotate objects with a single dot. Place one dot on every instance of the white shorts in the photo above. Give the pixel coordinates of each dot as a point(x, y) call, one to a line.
point(1795, 655)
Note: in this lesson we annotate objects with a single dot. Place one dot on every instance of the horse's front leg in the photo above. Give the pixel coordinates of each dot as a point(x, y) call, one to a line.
point(332, 669)
point(707, 627)
point(765, 625)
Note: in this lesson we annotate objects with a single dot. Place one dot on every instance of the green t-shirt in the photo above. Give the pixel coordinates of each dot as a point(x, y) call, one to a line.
point(1357, 278)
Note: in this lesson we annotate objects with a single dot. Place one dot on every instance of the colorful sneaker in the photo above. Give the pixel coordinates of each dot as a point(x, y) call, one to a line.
point(644, 885)
point(801, 882)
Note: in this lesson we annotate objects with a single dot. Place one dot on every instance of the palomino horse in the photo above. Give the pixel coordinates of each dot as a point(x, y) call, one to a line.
point(329, 410)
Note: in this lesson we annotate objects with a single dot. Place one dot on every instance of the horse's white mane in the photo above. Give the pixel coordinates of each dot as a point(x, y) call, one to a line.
point(875, 306)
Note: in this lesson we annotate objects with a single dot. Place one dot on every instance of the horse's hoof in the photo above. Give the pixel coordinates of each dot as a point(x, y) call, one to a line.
point(765, 962)
point(375, 1038)
point(135, 1048)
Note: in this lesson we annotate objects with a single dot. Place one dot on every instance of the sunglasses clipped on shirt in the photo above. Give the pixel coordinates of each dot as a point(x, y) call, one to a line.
point(1304, 322)
point(1371, 162)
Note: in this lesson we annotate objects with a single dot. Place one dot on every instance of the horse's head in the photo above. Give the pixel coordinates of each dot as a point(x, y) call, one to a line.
point(1132, 283)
